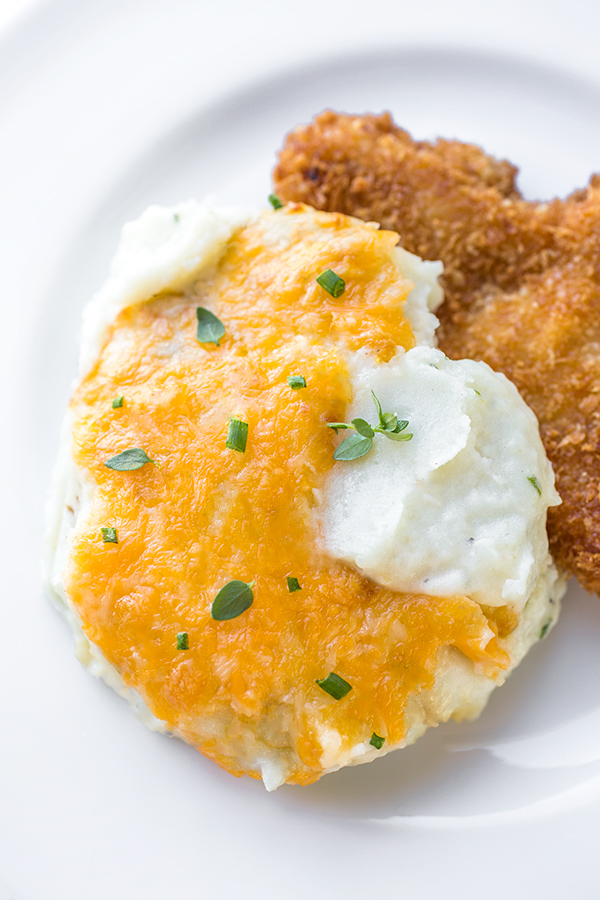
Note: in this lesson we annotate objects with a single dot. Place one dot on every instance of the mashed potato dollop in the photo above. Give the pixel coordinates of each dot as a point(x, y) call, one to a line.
point(459, 509)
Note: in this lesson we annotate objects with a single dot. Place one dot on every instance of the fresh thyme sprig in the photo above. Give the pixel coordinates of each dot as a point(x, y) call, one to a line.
point(359, 443)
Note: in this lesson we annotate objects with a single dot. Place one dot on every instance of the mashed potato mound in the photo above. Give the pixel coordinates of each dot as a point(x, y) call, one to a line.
point(387, 593)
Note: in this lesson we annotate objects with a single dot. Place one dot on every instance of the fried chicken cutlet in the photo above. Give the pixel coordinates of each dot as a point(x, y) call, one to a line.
point(521, 280)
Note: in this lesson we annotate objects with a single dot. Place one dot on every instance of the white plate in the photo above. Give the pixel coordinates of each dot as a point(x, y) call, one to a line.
point(107, 107)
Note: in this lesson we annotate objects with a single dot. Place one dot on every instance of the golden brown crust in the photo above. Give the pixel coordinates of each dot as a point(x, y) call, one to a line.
point(522, 281)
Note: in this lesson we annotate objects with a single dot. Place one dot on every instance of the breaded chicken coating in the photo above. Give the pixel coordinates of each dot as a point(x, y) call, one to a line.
point(521, 279)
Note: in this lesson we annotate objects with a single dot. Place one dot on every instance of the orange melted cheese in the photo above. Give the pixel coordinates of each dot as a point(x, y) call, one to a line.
point(203, 514)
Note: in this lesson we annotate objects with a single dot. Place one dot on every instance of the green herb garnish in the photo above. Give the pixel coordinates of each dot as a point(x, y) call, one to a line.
point(377, 741)
point(183, 642)
point(535, 483)
point(128, 460)
point(210, 329)
point(353, 447)
point(296, 382)
point(545, 628)
point(335, 686)
point(176, 217)
point(275, 201)
point(359, 444)
point(117, 402)
point(237, 435)
point(233, 599)
point(293, 584)
point(109, 535)
point(332, 283)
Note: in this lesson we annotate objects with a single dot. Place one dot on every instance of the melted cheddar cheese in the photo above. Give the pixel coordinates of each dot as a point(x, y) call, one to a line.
point(201, 515)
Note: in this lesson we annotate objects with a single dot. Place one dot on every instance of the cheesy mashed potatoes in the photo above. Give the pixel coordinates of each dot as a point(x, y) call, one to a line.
point(285, 611)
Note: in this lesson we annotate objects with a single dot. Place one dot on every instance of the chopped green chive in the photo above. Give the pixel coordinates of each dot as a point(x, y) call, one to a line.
point(545, 628)
point(109, 535)
point(332, 283)
point(296, 382)
point(233, 599)
point(176, 217)
point(128, 460)
point(293, 584)
point(377, 741)
point(237, 435)
point(117, 402)
point(335, 686)
point(535, 483)
point(275, 201)
point(210, 329)
point(183, 642)
point(359, 444)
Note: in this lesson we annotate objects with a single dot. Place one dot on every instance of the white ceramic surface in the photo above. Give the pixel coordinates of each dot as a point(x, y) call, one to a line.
point(104, 108)
point(12, 10)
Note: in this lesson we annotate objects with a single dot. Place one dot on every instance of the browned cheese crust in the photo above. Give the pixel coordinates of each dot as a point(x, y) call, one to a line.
point(521, 281)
